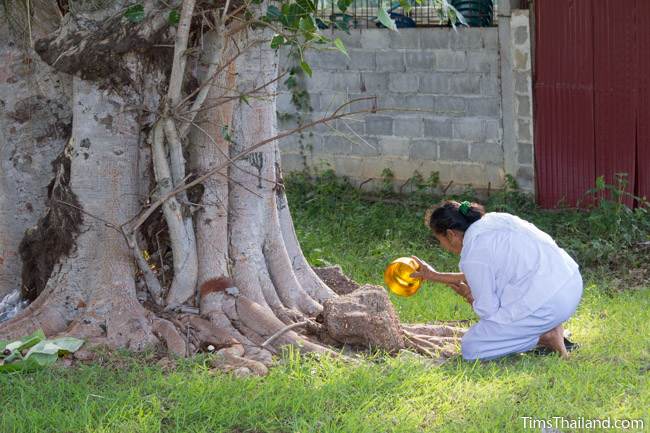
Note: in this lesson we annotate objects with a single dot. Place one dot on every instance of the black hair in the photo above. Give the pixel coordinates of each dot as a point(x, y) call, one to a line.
point(447, 216)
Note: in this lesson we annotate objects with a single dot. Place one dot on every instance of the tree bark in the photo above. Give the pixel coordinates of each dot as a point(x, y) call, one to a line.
point(35, 120)
point(235, 252)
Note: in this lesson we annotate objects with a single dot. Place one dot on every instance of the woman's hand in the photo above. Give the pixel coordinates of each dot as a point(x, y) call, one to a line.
point(425, 271)
point(463, 290)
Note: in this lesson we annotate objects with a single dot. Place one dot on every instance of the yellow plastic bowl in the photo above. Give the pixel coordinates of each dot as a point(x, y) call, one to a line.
point(398, 276)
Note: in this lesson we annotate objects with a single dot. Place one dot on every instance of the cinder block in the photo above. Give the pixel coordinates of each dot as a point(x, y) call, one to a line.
point(390, 61)
point(525, 153)
point(465, 84)
point(283, 102)
point(364, 104)
point(405, 38)
point(422, 103)
point(450, 61)
point(449, 106)
point(347, 82)
point(524, 130)
point(521, 60)
point(372, 167)
point(525, 176)
point(347, 144)
point(435, 82)
point(408, 126)
point(403, 82)
point(482, 61)
point(490, 85)
point(486, 152)
point(423, 149)
point(379, 125)
point(467, 38)
point(437, 128)
point(374, 82)
point(419, 60)
point(347, 165)
point(523, 105)
point(453, 150)
point(434, 38)
point(361, 60)
point(320, 80)
point(493, 130)
point(491, 38)
point(351, 125)
point(291, 162)
point(469, 129)
point(326, 59)
point(330, 101)
point(484, 106)
point(394, 146)
point(469, 174)
point(521, 35)
point(351, 40)
point(522, 82)
point(375, 38)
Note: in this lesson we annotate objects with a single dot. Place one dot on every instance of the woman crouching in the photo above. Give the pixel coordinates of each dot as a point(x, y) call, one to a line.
point(519, 282)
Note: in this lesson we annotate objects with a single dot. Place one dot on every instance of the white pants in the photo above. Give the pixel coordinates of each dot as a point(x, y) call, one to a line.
point(489, 340)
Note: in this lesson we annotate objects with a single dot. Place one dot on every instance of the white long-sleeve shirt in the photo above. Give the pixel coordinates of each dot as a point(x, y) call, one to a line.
point(512, 267)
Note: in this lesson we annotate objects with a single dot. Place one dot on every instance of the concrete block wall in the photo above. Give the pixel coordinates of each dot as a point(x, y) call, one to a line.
point(438, 94)
point(523, 97)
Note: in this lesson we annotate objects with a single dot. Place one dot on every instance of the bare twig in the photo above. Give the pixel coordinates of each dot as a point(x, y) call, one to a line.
point(282, 331)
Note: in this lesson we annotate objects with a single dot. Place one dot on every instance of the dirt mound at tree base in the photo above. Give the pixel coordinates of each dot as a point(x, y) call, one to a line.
point(336, 280)
point(365, 317)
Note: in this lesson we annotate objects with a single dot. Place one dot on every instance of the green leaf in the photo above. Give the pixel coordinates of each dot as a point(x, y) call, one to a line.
point(338, 43)
point(405, 5)
point(305, 67)
point(225, 133)
point(41, 359)
point(277, 41)
point(307, 24)
point(291, 82)
point(244, 99)
point(174, 17)
point(67, 344)
point(3, 344)
point(343, 5)
point(600, 182)
point(26, 342)
point(135, 13)
point(386, 20)
point(307, 6)
point(273, 13)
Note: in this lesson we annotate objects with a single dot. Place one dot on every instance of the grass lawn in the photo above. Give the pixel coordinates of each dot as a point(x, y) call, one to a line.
point(609, 376)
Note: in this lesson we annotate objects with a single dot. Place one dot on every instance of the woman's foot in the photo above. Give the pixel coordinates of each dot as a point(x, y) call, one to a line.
point(554, 340)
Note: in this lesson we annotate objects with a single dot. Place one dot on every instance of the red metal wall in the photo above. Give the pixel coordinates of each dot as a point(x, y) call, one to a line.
point(564, 100)
point(592, 60)
point(643, 117)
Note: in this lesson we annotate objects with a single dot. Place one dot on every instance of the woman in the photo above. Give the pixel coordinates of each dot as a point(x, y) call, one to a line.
point(518, 281)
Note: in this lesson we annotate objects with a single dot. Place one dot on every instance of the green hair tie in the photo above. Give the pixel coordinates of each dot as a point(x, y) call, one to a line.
point(464, 207)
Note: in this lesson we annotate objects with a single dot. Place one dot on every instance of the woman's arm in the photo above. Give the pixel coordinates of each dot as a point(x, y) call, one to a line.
point(426, 272)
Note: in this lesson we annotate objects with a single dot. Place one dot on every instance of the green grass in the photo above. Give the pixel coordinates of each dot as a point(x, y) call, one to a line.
point(607, 377)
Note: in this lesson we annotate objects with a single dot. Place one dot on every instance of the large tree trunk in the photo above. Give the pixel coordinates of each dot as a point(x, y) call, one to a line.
point(239, 280)
point(35, 120)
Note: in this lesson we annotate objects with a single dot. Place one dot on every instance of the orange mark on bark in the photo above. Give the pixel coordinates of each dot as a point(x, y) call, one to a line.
point(215, 285)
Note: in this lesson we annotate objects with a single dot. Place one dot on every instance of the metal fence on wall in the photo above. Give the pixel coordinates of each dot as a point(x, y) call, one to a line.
point(363, 14)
